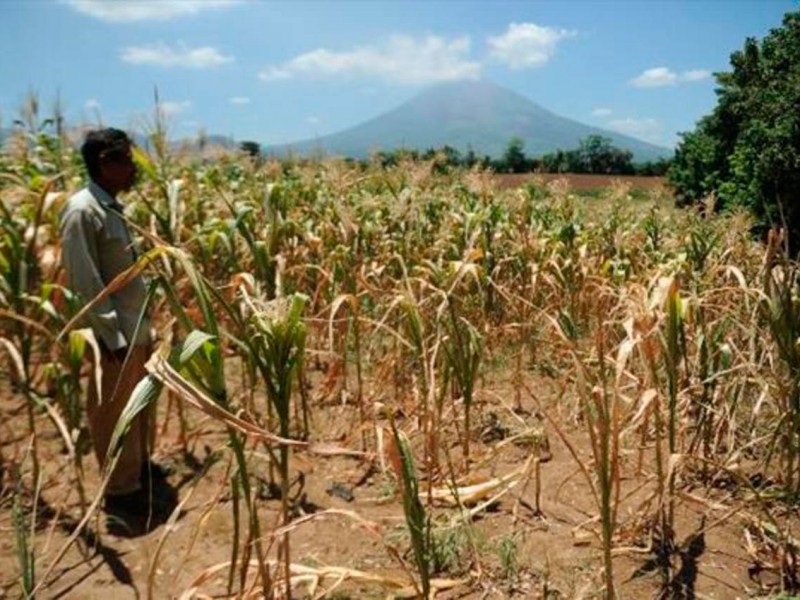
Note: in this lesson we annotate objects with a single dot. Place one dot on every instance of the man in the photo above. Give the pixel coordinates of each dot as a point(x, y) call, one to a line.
point(97, 246)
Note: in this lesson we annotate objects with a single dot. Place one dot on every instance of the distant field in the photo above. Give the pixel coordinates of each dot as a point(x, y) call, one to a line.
point(582, 182)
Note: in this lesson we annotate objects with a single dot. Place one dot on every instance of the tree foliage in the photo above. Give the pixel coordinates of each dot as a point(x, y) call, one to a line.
point(252, 149)
point(514, 159)
point(747, 151)
point(595, 154)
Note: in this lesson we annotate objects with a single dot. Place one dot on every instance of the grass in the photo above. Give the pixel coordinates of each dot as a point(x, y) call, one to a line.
point(507, 552)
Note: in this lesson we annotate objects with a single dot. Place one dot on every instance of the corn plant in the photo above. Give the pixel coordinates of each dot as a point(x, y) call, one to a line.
point(19, 287)
point(603, 423)
point(431, 274)
point(464, 349)
point(674, 352)
point(781, 309)
point(353, 303)
point(277, 334)
point(418, 523)
point(24, 533)
point(200, 359)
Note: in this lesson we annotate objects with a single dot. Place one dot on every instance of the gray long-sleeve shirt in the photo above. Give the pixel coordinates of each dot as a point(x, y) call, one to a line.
point(95, 247)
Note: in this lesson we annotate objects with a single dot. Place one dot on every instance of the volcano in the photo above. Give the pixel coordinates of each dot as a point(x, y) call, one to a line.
point(477, 115)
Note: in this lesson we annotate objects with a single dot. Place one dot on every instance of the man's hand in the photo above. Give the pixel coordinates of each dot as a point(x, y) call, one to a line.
point(118, 355)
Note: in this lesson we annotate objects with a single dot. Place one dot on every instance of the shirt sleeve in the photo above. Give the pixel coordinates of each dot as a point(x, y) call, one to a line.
point(79, 256)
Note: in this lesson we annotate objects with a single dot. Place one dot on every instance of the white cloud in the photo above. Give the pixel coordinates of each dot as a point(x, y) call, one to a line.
point(91, 104)
point(312, 120)
point(526, 45)
point(239, 100)
point(656, 77)
point(647, 129)
point(403, 59)
point(663, 76)
point(129, 11)
point(162, 55)
point(171, 109)
point(277, 73)
point(695, 75)
point(602, 112)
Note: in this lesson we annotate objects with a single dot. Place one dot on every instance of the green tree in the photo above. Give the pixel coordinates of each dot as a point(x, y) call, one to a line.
point(514, 159)
point(252, 149)
point(470, 158)
point(556, 162)
point(596, 154)
point(653, 168)
point(747, 150)
point(700, 163)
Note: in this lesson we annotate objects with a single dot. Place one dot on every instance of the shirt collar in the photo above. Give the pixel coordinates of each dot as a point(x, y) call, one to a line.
point(103, 197)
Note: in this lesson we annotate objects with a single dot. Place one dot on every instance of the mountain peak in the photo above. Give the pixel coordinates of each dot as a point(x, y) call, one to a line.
point(478, 87)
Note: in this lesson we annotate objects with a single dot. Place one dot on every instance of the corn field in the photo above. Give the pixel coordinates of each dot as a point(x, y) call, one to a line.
point(401, 382)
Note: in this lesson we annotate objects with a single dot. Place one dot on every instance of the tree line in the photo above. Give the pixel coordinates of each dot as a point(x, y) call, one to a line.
point(595, 155)
point(746, 152)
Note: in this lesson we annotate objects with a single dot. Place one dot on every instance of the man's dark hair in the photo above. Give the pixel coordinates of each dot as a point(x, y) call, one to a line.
point(102, 142)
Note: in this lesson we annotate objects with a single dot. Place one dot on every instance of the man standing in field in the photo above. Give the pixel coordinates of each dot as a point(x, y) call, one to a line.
point(96, 247)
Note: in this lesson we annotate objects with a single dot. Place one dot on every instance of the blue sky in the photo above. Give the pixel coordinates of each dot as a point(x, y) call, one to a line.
point(278, 72)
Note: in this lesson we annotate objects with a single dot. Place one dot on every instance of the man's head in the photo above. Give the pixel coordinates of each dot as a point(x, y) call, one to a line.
point(108, 158)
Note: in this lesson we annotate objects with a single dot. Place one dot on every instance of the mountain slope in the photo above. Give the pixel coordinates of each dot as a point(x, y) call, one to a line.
point(477, 114)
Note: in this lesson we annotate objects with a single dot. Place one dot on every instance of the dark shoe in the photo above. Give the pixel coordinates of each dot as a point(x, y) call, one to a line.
point(128, 515)
point(133, 504)
point(153, 471)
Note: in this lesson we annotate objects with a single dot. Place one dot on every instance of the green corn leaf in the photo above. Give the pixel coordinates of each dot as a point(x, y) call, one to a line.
point(195, 341)
point(144, 394)
point(144, 164)
point(416, 519)
point(76, 347)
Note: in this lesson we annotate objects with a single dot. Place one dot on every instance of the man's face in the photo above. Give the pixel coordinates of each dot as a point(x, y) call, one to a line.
point(118, 169)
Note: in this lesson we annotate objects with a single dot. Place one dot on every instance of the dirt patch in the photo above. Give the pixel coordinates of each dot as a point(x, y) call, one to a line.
point(539, 540)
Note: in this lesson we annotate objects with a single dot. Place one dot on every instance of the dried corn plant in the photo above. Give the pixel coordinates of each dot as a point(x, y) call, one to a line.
point(409, 290)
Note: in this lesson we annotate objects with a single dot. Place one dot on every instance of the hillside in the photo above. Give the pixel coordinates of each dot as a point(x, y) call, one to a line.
point(480, 115)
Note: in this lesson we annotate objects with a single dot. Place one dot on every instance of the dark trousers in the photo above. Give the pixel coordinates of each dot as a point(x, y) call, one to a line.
point(116, 387)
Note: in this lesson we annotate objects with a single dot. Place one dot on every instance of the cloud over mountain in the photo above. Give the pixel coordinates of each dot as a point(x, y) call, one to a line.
point(526, 45)
point(403, 59)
